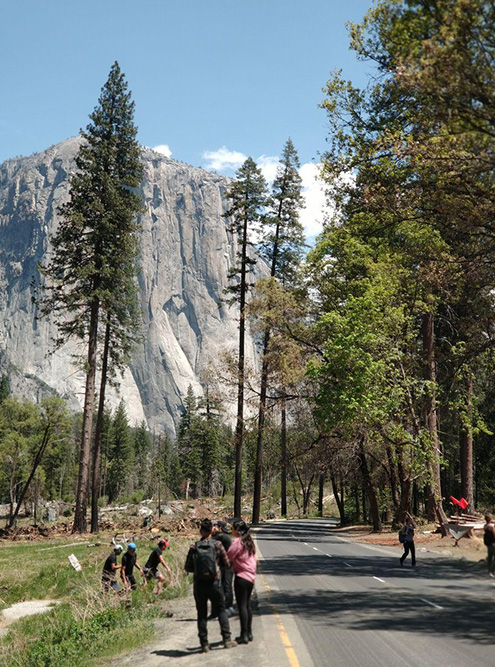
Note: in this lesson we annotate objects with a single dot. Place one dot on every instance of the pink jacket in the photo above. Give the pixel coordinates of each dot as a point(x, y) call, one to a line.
point(243, 563)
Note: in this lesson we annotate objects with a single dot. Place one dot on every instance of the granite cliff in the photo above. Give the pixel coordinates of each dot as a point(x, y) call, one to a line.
point(186, 252)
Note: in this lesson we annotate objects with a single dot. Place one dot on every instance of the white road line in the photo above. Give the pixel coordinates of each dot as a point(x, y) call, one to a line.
point(331, 556)
point(432, 604)
point(315, 549)
point(378, 579)
point(347, 564)
point(305, 543)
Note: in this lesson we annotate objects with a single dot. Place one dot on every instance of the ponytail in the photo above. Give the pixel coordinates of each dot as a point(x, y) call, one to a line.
point(245, 536)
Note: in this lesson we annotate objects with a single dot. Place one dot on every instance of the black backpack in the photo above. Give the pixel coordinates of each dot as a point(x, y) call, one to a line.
point(205, 561)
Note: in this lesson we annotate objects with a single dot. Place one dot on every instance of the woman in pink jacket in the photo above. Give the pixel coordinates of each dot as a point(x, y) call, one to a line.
point(242, 556)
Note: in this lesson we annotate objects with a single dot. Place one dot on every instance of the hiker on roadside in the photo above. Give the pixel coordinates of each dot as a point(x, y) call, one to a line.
point(489, 541)
point(151, 571)
point(204, 559)
point(407, 533)
point(221, 533)
point(108, 577)
point(129, 562)
point(242, 555)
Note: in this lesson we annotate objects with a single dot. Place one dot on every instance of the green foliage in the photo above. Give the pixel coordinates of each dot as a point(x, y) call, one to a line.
point(202, 446)
point(121, 467)
point(4, 387)
point(95, 246)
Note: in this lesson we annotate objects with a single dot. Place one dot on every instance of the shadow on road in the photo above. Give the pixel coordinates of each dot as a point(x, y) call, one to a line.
point(467, 619)
point(457, 587)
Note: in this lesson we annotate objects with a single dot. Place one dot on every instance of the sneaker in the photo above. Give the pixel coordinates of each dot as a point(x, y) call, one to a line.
point(230, 612)
point(492, 575)
point(250, 636)
point(205, 648)
point(229, 643)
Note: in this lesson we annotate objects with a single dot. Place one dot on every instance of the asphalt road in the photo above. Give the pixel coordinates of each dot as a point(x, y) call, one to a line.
point(344, 604)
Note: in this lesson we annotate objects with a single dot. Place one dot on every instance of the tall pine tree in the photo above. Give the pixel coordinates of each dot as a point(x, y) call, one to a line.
point(282, 246)
point(94, 249)
point(248, 196)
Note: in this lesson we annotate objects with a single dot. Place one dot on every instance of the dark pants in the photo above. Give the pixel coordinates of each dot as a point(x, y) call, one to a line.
point(409, 547)
point(227, 578)
point(243, 589)
point(210, 590)
point(132, 581)
point(491, 558)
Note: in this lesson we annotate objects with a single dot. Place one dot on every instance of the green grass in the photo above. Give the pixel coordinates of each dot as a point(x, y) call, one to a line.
point(87, 624)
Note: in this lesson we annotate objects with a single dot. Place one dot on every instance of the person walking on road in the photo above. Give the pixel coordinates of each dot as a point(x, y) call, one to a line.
point(221, 534)
point(151, 570)
point(108, 576)
point(129, 562)
point(205, 559)
point(489, 541)
point(408, 541)
point(242, 555)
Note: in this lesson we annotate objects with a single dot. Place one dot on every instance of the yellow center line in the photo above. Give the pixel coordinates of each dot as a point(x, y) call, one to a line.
point(289, 649)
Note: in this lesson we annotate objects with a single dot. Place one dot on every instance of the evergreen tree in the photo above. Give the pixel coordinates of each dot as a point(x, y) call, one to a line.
point(189, 445)
point(91, 272)
point(283, 247)
point(248, 197)
point(142, 448)
point(121, 473)
point(4, 387)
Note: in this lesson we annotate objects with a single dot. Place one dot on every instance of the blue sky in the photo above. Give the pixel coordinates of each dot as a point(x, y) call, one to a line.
point(213, 80)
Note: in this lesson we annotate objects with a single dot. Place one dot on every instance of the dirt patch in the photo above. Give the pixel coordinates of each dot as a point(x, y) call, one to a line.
point(23, 609)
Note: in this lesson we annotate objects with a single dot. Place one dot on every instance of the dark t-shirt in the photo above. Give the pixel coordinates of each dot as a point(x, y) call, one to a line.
point(224, 540)
point(154, 559)
point(128, 562)
point(108, 571)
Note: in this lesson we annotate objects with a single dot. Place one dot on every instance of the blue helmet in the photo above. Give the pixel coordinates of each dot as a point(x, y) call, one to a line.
point(131, 545)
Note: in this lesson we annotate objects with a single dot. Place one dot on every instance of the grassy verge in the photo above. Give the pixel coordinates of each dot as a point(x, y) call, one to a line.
point(86, 624)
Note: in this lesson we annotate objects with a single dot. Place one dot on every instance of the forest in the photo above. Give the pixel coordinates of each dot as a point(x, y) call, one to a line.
point(376, 345)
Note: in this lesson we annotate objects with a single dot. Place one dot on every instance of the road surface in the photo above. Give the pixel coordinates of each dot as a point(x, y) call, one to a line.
point(345, 604)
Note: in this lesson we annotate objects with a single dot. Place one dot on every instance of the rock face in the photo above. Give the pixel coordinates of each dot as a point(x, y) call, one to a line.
point(186, 252)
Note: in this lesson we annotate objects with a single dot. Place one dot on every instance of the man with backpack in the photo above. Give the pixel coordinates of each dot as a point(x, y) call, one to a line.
point(205, 559)
point(406, 537)
point(489, 541)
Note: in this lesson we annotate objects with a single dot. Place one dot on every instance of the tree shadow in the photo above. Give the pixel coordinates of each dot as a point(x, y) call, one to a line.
point(469, 619)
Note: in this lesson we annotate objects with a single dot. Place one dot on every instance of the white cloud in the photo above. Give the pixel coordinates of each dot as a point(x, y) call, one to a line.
point(312, 216)
point(223, 159)
point(316, 208)
point(268, 165)
point(164, 149)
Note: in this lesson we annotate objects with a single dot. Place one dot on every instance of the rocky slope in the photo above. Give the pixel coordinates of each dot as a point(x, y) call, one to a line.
point(186, 252)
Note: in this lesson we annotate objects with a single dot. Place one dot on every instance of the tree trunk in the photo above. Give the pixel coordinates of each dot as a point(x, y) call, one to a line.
point(37, 460)
point(338, 499)
point(96, 480)
point(320, 494)
point(405, 490)
point(466, 453)
point(259, 441)
point(80, 521)
point(393, 478)
point(434, 488)
point(283, 451)
point(370, 491)
point(358, 506)
point(239, 428)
